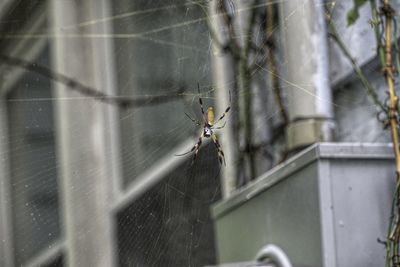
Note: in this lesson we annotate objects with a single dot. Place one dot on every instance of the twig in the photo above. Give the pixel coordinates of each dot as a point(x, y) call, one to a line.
point(228, 46)
point(375, 24)
point(396, 46)
point(394, 237)
point(366, 84)
point(270, 42)
point(72, 84)
point(388, 72)
point(233, 44)
point(245, 78)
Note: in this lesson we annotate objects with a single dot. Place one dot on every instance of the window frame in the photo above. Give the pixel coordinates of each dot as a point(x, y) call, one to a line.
point(27, 49)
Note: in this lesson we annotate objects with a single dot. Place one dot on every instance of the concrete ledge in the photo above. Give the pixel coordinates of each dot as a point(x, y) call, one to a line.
point(299, 161)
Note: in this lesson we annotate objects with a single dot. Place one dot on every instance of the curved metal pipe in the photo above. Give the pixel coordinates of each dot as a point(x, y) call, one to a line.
point(275, 254)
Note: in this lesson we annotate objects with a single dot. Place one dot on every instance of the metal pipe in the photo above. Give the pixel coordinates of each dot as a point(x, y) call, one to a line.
point(224, 80)
point(307, 77)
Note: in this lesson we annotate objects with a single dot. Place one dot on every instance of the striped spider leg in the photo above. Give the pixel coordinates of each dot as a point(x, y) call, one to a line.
point(193, 120)
point(201, 103)
point(225, 112)
point(195, 148)
point(221, 156)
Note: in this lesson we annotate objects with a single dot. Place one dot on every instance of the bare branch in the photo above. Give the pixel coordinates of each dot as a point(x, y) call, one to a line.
point(72, 84)
point(367, 85)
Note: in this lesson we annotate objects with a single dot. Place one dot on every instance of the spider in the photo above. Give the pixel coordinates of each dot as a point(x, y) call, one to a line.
point(208, 127)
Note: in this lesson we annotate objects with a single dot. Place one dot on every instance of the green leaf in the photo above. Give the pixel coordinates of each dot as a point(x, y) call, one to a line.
point(352, 14)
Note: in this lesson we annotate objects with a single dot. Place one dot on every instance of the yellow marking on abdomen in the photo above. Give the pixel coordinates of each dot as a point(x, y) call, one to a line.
point(210, 116)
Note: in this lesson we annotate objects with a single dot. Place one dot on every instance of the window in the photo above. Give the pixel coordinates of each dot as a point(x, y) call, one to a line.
point(163, 218)
point(34, 187)
point(29, 172)
point(161, 47)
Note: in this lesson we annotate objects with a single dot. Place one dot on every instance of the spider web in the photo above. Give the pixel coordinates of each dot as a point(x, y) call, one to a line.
point(159, 48)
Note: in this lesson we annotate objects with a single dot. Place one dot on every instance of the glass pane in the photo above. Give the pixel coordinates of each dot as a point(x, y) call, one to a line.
point(34, 188)
point(171, 224)
point(160, 47)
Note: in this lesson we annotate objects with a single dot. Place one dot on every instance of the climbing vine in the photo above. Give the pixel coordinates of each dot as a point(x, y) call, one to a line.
point(384, 23)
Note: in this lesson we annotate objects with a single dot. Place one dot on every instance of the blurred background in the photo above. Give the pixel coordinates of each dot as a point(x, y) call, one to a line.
point(87, 179)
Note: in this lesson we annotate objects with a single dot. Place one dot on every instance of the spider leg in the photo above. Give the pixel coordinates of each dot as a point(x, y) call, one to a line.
point(195, 148)
point(216, 128)
point(221, 156)
point(226, 110)
point(193, 120)
point(201, 103)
